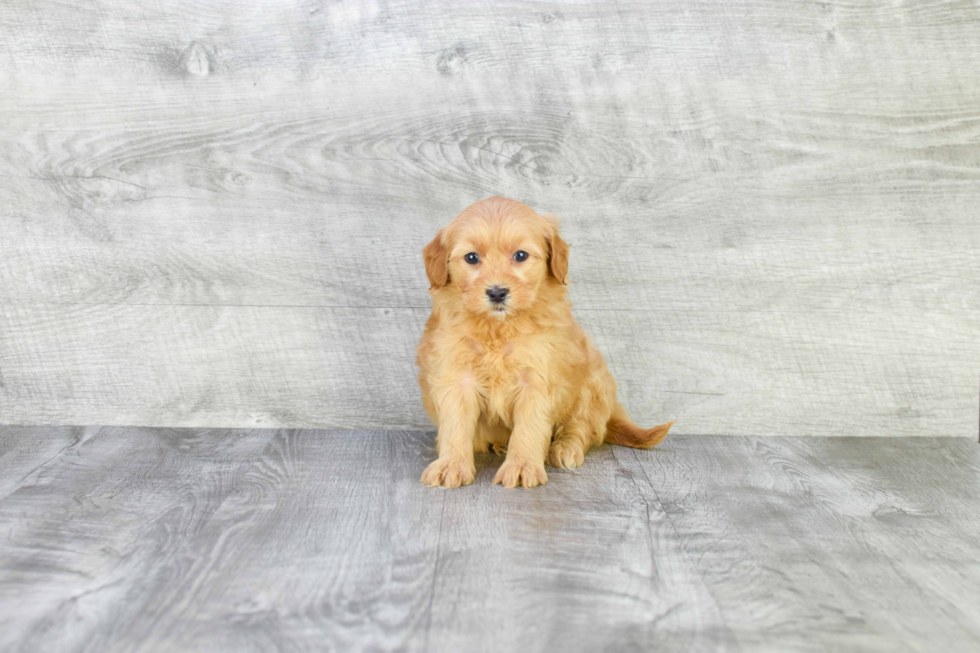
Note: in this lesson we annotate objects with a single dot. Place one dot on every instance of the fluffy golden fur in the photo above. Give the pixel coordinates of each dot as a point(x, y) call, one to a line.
point(520, 375)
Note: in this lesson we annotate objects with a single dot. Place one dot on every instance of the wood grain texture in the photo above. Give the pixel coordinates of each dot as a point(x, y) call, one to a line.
point(24, 450)
point(330, 542)
point(198, 540)
point(281, 366)
point(103, 524)
point(771, 207)
point(828, 543)
point(264, 366)
point(591, 563)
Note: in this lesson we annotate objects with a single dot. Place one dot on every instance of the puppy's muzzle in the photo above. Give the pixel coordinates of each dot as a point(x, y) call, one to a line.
point(497, 294)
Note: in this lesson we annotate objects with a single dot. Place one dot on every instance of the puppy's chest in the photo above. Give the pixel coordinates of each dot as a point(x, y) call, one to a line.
point(497, 363)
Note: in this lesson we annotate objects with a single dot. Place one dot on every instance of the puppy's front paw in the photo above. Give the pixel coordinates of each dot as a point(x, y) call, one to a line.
point(449, 473)
point(566, 454)
point(524, 473)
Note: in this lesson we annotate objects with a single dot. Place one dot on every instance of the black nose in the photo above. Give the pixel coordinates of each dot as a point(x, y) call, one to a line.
point(497, 294)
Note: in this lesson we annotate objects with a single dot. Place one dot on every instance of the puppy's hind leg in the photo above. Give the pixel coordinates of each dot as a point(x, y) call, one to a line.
point(569, 446)
point(587, 426)
point(491, 437)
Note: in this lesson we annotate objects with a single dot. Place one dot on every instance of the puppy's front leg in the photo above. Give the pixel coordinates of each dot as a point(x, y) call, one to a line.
point(458, 408)
point(529, 441)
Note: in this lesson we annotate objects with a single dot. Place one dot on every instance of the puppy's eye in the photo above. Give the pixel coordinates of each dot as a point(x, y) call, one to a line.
point(521, 256)
point(472, 258)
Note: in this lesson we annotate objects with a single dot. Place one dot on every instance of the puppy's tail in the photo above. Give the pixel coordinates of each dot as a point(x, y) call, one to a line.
point(621, 430)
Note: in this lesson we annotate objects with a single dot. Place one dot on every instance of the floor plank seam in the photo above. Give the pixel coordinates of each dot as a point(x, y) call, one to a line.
point(78, 440)
point(435, 573)
point(687, 554)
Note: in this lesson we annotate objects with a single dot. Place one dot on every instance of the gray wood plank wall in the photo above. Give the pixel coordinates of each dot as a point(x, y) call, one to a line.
point(211, 213)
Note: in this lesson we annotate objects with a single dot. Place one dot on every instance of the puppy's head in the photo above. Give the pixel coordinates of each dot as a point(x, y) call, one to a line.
point(499, 253)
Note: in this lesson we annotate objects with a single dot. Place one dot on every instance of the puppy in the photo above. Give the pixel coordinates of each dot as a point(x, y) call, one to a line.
point(502, 362)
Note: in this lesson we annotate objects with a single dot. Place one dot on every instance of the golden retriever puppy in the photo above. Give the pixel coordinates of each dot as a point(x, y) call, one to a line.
point(502, 362)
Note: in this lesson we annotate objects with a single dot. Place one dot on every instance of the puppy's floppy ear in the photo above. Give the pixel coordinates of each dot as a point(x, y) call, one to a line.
point(436, 262)
point(557, 252)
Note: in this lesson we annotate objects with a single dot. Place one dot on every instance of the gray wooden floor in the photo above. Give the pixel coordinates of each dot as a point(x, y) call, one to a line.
point(134, 539)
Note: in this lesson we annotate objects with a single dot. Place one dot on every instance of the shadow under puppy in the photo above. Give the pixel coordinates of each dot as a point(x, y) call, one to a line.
point(502, 362)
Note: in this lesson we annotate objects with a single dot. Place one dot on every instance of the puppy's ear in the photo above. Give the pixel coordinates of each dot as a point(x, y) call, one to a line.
point(436, 262)
point(557, 253)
